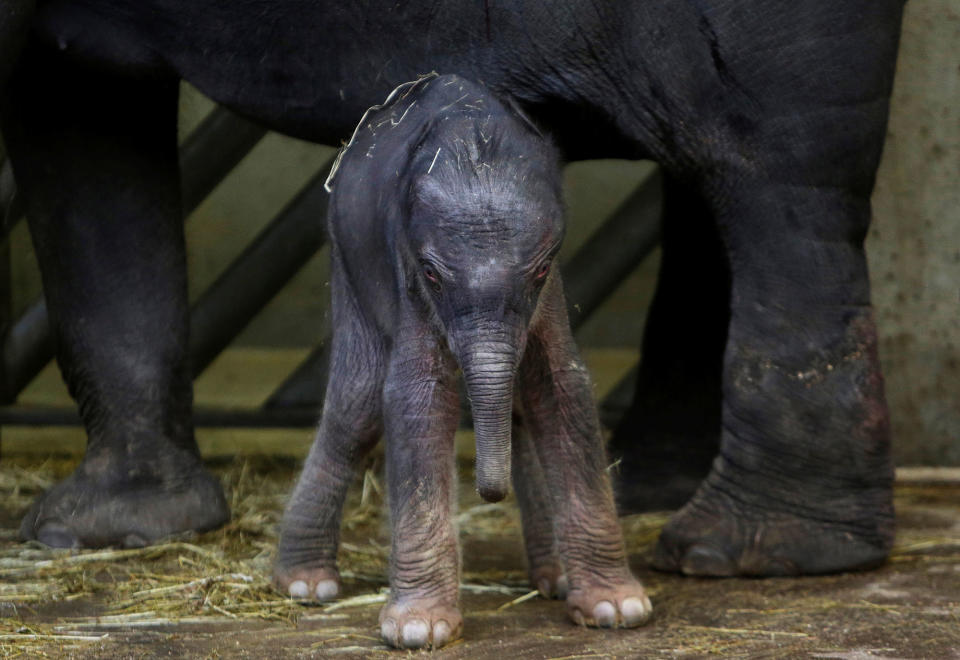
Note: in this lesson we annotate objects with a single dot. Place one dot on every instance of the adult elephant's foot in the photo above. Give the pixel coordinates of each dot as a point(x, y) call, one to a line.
point(98, 506)
point(623, 605)
point(320, 583)
point(735, 528)
point(417, 623)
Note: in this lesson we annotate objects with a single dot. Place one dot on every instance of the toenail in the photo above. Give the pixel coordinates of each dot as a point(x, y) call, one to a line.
point(416, 634)
point(605, 614)
point(298, 589)
point(543, 586)
point(635, 611)
point(441, 633)
point(577, 617)
point(388, 631)
point(56, 535)
point(562, 587)
point(326, 590)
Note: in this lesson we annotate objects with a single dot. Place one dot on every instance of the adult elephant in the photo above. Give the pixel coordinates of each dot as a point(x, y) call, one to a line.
point(768, 119)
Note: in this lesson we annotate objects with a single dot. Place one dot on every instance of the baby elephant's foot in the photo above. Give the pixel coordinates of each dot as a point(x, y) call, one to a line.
point(549, 579)
point(320, 584)
point(622, 606)
point(418, 624)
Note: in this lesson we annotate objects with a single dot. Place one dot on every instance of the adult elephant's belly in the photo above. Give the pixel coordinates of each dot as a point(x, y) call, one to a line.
point(311, 69)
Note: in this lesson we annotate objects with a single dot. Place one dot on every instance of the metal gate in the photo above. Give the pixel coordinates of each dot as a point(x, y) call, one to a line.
point(295, 234)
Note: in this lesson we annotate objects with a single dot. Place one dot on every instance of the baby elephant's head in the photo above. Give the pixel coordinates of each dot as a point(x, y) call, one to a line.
point(485, 223)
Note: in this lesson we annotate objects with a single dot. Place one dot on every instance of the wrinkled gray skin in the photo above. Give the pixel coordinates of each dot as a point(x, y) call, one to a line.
point(445, 217)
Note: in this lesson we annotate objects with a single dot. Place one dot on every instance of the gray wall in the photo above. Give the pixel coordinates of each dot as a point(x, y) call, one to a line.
point(914, 246)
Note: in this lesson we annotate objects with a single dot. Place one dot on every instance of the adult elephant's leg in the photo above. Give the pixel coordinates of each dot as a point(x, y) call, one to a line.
point(668, 439)
point(779, 121)
point(95, 156)
point(803, 481)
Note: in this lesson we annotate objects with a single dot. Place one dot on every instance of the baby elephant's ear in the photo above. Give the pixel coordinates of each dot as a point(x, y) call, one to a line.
point(379, 118)
point(518, 112)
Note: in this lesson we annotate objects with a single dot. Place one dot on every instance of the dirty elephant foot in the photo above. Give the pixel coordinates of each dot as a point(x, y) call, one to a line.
point(90, 509)
point(317, 583)
point(419, 623)
point(625, 605)
point(717, 534)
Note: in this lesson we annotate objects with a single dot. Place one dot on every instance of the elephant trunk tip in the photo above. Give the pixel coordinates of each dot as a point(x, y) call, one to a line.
point(492, 492)
point(493, 468)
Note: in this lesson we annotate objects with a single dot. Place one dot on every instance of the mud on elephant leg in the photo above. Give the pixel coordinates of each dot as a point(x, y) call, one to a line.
point(667, 441)
point(544, 565)
point(95, 157)
point(351, 424)
point(803, 483)
point(421, 411)
point(561, 415)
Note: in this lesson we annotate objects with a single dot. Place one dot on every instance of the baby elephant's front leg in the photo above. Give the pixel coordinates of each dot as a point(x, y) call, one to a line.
point(561, 415)
point(421, 415)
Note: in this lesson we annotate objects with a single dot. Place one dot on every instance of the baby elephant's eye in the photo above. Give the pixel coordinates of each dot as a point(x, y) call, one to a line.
point(431, 274)
point(542, 271)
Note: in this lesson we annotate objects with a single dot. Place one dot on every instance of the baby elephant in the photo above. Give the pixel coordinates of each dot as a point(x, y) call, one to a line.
point(445, 218)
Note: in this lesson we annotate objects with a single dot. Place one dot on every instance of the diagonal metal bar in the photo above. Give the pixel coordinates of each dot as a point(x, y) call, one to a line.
point(232, 418)
point(206, 157)
point(10, 207)
point(614, 250)
point(592, 274)
point(306, 387)
point(268, 263)
point(211, 151)
point(27, 348)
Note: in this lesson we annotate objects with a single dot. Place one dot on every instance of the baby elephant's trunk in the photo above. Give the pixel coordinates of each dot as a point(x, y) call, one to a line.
point(489, 368)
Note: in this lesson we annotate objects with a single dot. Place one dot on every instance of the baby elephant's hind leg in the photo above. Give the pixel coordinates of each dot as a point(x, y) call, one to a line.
point(536, 510)
point(560, 412)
